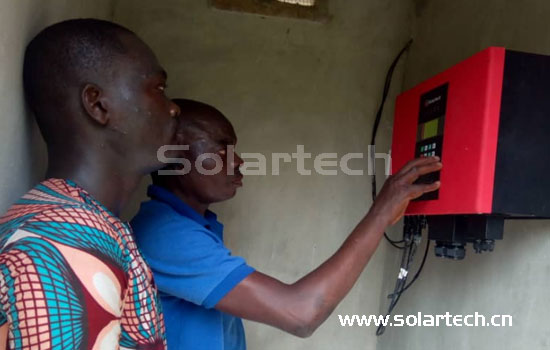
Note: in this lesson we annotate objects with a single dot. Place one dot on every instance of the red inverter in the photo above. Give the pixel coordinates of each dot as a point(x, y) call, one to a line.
point(488, 118)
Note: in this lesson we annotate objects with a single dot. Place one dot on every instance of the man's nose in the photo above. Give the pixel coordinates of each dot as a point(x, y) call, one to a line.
point(175, 110)
point(238, 161)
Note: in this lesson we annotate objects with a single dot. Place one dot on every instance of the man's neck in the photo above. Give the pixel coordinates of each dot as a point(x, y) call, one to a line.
point(106, 181)
point(191, 201)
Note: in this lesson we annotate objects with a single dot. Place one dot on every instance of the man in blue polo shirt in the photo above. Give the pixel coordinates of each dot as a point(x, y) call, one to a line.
point(204, 289)
point(194, 269)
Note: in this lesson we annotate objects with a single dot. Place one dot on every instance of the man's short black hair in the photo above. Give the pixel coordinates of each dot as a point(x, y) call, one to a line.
point(62, 56)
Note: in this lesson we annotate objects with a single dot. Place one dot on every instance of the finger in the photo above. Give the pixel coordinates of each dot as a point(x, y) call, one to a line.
point(415, 172)
point(415, 163)
point(420, 189)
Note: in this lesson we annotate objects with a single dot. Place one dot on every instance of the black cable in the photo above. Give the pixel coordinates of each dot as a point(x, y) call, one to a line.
point(386, 90)
point(408, 254)
point(413, 226)
point(419, 269)
point(394, 243)
point(412, 232)
point(402, 278)
point(385, 93)
point(414, 278)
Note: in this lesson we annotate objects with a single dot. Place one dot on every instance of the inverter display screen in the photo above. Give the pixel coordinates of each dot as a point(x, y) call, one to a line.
point(430, 129)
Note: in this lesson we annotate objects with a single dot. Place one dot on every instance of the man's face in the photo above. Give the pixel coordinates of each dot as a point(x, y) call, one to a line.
point(215, 174)
point(144, 118)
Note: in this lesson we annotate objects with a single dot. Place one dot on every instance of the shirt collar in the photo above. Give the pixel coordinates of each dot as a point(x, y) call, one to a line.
point(161, 194)
point(72, 190)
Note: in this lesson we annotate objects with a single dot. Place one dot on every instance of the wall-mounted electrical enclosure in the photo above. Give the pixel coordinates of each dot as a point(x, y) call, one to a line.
point(488, 118)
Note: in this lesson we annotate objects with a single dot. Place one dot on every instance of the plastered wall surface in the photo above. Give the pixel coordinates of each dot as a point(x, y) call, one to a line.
point(22, 151)
point(512, 280)
point(285, 83)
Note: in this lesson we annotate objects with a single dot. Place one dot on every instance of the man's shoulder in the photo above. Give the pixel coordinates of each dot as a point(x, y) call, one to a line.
point(63, 219)
point(159, 229)
point(156, 215)
point(53, 215)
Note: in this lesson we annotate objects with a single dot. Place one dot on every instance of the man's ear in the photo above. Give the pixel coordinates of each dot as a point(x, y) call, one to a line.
point(94, 103)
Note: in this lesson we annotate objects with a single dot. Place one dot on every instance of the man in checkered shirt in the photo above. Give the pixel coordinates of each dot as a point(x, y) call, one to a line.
point(71, 276)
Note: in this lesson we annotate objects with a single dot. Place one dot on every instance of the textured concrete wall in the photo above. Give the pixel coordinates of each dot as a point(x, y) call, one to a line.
point(22, 153)
point(286, 82)
point(514, 279)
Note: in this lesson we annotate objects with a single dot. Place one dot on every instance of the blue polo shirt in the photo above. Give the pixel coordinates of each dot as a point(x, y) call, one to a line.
point(193, 271)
